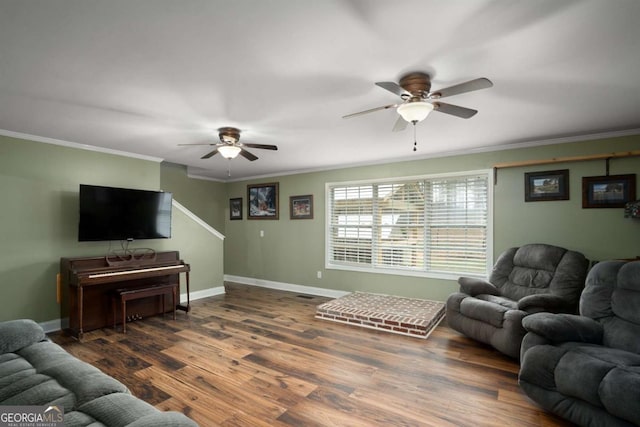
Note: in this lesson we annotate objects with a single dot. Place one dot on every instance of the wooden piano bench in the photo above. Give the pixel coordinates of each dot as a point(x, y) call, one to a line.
point(129, 294)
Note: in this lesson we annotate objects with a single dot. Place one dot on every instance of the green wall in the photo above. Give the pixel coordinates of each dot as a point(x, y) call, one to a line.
point(206, 199)
point(39, 185)
point(292, 251)
point(598, 233)
point(39, 188)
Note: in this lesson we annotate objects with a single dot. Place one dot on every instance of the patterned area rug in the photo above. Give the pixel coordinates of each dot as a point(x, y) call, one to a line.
point(400, 315)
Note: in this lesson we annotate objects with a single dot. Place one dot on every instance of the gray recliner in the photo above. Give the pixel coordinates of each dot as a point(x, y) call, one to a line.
point(586, 368)
point(524, 280)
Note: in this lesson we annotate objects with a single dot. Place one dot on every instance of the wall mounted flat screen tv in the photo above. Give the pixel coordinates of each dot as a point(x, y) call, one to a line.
point(109, 213)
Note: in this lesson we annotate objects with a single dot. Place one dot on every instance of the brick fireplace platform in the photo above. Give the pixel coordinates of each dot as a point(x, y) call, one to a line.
point(406, 316)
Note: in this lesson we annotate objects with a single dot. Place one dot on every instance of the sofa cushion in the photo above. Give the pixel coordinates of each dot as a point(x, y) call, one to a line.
point(562, 327)
point(621, 334)
point(620, 391)
point(129, 409)
point(484, 311)
point(20, 333)
point(83, 381)
point(612, 297)
point(528, 277)
point(595, 301)
point(502, 301)
point(80, 419)
point(539, 257)
point(533, 268)
point(607, 377)
point(582, 383)
point(474, 286)
point(542, 372)
point(21, 384)
point(12, 368)
point(540, 268)
point(622, 330)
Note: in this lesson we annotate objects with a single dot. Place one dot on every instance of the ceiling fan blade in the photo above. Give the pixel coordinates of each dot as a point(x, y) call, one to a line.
point(195, 144)
point(263, 146)
point(247, 155)
point(471, 85)
point(401, 124)
point(348, 116)
point(454, 110)
point(393, 88)
point(213, 153)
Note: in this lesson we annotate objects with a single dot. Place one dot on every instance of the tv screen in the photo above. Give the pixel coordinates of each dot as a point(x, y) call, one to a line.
point(109, 213)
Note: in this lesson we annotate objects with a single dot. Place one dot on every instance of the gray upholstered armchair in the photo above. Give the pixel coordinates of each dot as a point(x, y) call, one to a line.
point(524, 280)
point(586, 368)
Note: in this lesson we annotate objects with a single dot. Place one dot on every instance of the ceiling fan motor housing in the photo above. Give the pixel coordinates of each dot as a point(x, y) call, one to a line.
point(417, 84)
point(229, 135)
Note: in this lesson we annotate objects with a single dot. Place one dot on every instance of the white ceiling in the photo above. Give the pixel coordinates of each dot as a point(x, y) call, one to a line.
point(144, 76)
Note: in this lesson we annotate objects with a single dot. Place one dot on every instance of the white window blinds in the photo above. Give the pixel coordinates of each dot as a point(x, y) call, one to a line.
point(431, 224)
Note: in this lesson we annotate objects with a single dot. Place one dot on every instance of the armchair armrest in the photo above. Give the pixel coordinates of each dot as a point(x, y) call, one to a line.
point(17, 334)
point(544, 302)
point(564, 327)
point(473, 287)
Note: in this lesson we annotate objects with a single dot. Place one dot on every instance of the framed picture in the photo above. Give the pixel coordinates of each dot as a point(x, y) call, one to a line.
point(301, 207)
point(262, 201)
point(612, 191)
point(548, 185)
point(235, 208)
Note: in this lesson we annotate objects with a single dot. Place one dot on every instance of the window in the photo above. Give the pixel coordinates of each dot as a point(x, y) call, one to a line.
point(433, 225)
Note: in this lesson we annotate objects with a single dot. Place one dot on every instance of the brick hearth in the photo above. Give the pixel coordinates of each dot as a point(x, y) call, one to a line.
point(406, 316)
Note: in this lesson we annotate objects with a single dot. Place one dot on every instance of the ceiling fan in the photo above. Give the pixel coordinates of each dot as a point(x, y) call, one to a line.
point(418, 100)
point(230, 146)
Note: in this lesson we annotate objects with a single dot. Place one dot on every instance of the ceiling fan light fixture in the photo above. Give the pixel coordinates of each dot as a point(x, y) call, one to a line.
point(229, 151)
point(416, 111)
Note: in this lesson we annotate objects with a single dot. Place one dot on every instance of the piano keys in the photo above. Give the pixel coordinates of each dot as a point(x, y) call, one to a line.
point(87, 284)
point(109, 274)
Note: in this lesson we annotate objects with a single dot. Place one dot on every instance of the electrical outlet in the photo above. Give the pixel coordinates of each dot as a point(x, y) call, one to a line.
point(261, 233)
point(319, 274)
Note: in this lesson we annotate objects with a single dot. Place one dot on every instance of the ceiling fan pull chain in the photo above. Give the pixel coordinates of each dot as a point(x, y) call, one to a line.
point(229, 167)
point(415, 142)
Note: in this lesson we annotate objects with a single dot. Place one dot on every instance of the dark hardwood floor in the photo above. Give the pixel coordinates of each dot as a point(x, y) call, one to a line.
point(258, 357)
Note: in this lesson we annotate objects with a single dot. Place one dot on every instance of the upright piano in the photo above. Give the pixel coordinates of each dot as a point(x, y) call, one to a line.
point(87, 285)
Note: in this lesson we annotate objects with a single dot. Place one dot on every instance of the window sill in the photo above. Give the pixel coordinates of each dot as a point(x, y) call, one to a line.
point(403, 272)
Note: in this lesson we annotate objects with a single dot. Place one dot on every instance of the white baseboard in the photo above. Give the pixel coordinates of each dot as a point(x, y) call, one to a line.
point(211, 292)
point(53, 325)
point(303, 289)
point(57, 324)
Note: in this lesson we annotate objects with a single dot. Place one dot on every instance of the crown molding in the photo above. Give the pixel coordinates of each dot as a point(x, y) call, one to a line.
point(486, 149)
point(46, 140)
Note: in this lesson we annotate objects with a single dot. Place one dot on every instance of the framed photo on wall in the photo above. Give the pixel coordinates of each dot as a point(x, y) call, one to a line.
point(612, 191)
point(548, 185)
point(262, 201)
point(235, 208)
point(301, 207)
